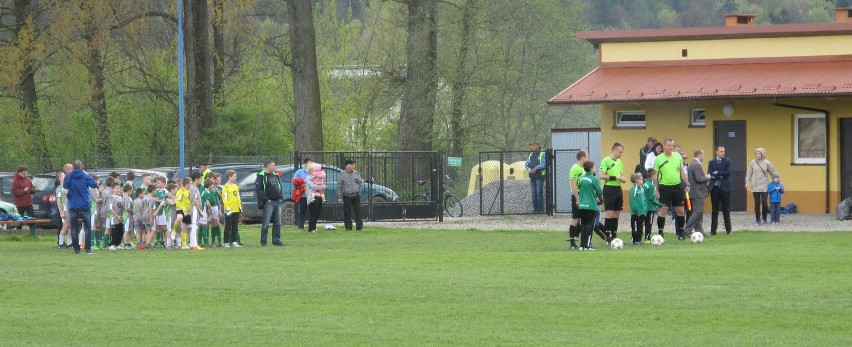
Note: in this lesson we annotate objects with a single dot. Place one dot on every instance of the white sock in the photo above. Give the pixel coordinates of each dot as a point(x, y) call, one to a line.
point(193, 236)
point(61, 239)
point(68, 240)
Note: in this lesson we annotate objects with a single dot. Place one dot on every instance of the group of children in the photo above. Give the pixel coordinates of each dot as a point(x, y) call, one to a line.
point(178, 214)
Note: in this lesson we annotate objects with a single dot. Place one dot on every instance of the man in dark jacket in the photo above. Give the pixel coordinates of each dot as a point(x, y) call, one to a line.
point(720, 190)
point(78, 183)
point(269, 199)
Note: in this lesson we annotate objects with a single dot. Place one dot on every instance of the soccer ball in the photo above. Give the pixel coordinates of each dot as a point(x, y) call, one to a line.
point(330, 227)
point(658, 240)
point(616, 244)
point(697, 237)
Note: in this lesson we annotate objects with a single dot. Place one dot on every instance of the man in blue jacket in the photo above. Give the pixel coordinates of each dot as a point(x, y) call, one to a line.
point(78, 183)
point(720, 190)
point(536, 166)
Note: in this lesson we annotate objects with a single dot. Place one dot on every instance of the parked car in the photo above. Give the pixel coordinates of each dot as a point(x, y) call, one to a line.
point(44, 200)
point(378, 193)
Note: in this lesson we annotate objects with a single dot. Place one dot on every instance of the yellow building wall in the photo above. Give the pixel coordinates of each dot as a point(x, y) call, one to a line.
point(767, 126)
point(726, 49)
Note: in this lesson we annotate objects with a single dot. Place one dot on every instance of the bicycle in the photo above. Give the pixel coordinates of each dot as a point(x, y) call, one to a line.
point(452, 204)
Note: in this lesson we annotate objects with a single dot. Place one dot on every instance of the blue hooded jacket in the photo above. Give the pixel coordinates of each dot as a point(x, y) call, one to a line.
point(78, 183)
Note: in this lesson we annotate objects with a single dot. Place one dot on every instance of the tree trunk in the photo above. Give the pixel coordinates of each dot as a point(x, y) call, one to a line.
point(458, 132)
point(306, 91)
point(199, 97)
point(420, 88)
point(218, 52)
point(27, 90)
point(95, 66)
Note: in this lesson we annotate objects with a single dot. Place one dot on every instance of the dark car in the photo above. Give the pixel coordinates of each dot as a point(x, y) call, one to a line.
point(44, 200)
point(377, 193)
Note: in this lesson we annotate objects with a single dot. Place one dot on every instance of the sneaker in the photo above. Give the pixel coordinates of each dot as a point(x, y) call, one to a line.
point(90, 252)
point(647, 241)
point(226, 245)
point(185, 247)
point(111, 248)
point(586, 249)
point(573, 247)
point(77, 251)
point(236, 245)
point(637, 243)
point(279, 244)
point(128, 246)
point(681, 238)
point(196, 248)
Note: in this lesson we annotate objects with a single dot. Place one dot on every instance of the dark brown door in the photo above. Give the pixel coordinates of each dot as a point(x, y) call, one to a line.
point(732, 135)
point(845, 158)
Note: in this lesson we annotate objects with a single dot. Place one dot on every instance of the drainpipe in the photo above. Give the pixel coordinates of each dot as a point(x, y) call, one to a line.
point(827, 144)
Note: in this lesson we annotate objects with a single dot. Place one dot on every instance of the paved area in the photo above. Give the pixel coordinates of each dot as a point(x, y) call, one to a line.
point(739, 221)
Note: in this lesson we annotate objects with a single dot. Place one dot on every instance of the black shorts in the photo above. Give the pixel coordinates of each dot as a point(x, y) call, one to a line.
point(613, 198)
point(575, 210)
point(672, 195)
point(187, 217)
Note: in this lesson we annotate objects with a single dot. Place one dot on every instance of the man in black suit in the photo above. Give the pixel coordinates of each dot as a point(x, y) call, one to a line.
point(720, 190)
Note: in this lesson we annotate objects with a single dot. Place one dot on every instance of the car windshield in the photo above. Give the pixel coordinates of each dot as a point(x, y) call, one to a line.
point(43, 183)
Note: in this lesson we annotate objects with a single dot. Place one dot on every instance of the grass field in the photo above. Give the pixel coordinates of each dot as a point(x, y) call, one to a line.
point(427, 287)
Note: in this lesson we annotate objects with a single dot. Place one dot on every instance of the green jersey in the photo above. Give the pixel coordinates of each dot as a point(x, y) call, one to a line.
point(589, 188)
point(161, 195)
point(638, 200)
point(209, 195)
point(668, 168)
point(651, 197)
point(576, 171)
point(612, 167)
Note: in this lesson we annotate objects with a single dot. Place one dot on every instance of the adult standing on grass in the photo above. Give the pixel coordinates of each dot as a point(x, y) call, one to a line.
point(757, 180)
point(299, 185)
point(536, 166)
point(269, 199)
point(78, 183)
point(22, 192)
point(349, 193)
point(316, 193)
point(720, 190)
point(698, 181)
point(671, 192)
point(611, 171)
point(590, 192)
point(574, 175)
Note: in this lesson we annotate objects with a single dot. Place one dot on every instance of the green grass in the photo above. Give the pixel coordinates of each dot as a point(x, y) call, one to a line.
point(422, 287)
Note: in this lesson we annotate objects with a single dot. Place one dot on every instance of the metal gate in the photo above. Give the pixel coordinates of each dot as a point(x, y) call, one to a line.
point(563, 160)
point(503, 184)
point(392, 181)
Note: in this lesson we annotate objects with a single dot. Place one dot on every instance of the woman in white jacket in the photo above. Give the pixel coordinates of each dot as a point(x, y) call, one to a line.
point(758, 176)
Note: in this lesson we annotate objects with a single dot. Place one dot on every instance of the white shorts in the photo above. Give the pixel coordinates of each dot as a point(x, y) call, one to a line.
point(161, 220)
point(214, 213)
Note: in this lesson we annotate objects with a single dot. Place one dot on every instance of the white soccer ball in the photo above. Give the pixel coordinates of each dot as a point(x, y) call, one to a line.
point(330, 227)
point(657, 240)
point(616, 244)
point(697, 237)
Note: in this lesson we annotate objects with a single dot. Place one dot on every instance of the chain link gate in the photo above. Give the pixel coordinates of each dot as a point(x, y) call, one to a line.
point(563, 160)
point(392, 180)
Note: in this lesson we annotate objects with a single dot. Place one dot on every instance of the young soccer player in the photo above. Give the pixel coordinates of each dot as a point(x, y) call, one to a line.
point(233, 205)
point(208, 203)
point(590, 192)
point(151, 214)
point(195, 211)
point(182, 216)
point(651, 203)
point(775, 189)
point(140, 214)
point(104, 212)
point(160, 212)
point(95, 194)
point(638, 207)
point(216, 209)
point(127, 192)
point(115, 210)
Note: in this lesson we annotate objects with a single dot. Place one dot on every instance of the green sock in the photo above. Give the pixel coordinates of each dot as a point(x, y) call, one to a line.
point(204, 235)
point(106, 238)
point(217, 234)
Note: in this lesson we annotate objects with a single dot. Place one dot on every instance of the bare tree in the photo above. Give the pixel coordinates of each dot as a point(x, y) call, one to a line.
point(306, 91)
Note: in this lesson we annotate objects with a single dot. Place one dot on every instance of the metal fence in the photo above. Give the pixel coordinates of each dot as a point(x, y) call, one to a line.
point(503, 184)
point(563, 160)
point(393, 182)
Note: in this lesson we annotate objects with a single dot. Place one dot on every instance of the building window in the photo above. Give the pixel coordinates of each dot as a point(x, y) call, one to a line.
point(809, 139)
point(696, 118)
point(630, 119)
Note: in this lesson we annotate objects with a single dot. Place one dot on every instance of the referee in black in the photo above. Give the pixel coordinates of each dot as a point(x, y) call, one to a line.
point(611, 173)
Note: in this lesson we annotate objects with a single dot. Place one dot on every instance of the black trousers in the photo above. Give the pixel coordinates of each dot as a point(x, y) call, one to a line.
point(25, 211)
point(352, 204)
point(116, 235)
point(720, 201)
point(587, 223)
point(314, 209)
point(761, 200)
point(231, 223)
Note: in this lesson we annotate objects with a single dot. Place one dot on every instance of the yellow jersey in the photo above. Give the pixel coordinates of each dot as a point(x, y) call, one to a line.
point(182, 200)
point(231, 197)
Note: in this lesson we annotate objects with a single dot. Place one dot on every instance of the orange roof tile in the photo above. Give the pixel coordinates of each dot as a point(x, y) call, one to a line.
point(727, 80)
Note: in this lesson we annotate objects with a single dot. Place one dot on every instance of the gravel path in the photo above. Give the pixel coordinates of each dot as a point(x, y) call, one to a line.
point(740, 221)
